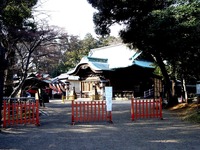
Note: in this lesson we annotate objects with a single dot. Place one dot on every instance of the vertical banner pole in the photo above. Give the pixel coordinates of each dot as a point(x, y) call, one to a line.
point(37, 109)
point(109, 95)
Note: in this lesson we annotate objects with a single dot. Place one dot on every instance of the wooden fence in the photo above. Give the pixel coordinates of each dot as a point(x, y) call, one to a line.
point(90, 111)
point(20, 111)
point(146, 108)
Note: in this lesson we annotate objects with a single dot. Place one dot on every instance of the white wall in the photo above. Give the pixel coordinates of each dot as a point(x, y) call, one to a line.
point(76, 84)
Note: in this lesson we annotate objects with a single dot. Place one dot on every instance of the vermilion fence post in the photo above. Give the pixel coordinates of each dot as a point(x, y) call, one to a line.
point(20, 108)
point(73, 112)
point(80, 110)
point(8, 116)
point(29, 112)
point(76, 111)
point(161, 116)
point(136, 109)
point(20, 111)
point(132, 109)
point(33, 112)
point(153, 108)
point(110, 117)
point(147, 110)
point(17, 113)
point(4, 113)
point(157, 107)
point(90, 111)
point(95, 111)
point(84, 112)
point(25, 113)
point(143, 113)
point(98, 110)
point(13, 116)
point(37, 113)
point(102, 107)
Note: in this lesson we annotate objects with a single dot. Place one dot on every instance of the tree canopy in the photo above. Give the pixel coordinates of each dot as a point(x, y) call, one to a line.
point(167, 29)
point(76, 48)
point(15, 16)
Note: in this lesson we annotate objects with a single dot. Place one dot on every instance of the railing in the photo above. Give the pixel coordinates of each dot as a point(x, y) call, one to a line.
point(149, 93)
point(20, 111)
point(146, 108)
point(123, 95)
point(90, 111)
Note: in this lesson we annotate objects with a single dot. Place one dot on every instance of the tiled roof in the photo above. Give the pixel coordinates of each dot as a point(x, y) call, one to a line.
point(144, 64)
point(112, 57)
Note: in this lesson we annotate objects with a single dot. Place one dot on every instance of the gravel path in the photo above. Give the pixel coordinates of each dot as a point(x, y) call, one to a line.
point(56, 132)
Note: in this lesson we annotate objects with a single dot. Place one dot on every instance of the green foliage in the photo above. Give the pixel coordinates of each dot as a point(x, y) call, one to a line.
point(89, 42)
point(15, 14)
point(77, 49)
point(15, 18)
point(167, 29)
point(177, 32)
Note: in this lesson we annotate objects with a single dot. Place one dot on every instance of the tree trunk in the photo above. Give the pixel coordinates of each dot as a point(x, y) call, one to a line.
point(2, 68)
point(21, 82)
point(171, 100)
point(18, 87)
point(173, 87)
point(1, 93)
point(9, 85)
point(184, 90)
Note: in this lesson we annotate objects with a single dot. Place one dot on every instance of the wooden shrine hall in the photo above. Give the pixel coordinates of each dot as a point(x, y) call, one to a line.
point(120, 67)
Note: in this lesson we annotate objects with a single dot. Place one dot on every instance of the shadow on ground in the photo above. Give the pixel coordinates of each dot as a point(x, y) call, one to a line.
point(56, 132)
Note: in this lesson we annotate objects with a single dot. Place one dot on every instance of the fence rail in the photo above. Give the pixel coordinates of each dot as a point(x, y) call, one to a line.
point(146, 108)
point(20, 111)
point(90, 111)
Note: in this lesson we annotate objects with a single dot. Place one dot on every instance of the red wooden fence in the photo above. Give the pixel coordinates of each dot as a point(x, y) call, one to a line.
point(20, 111)
point(90, 111)
point(146, 108)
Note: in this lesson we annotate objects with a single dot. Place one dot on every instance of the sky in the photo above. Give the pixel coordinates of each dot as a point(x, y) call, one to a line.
point(75, 16)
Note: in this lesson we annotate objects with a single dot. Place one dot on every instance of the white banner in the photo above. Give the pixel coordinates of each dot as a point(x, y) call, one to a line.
point(198, 88)
point(109, 103)
point(108, 93)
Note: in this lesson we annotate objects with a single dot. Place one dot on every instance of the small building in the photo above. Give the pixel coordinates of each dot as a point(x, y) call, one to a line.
point(65, 83)
point(120, 67)
point(73, 81)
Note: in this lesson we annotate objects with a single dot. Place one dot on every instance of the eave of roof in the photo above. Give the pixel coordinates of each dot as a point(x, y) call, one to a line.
point(144, 64)
point(124, 58)
point(95, 65)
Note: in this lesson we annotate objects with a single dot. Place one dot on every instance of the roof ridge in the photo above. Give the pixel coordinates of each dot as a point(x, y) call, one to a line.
point(104, 47)
point(95, 59)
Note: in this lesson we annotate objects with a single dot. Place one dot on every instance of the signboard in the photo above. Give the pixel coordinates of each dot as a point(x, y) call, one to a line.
point(108, 91)
point(108, 94)
point(198, 88)
point(109, 103)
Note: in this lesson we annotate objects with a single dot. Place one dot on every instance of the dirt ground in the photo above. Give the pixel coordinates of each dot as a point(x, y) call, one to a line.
point(56, 132)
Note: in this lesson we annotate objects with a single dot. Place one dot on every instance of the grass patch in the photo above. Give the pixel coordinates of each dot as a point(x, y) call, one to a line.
point(187, 112)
